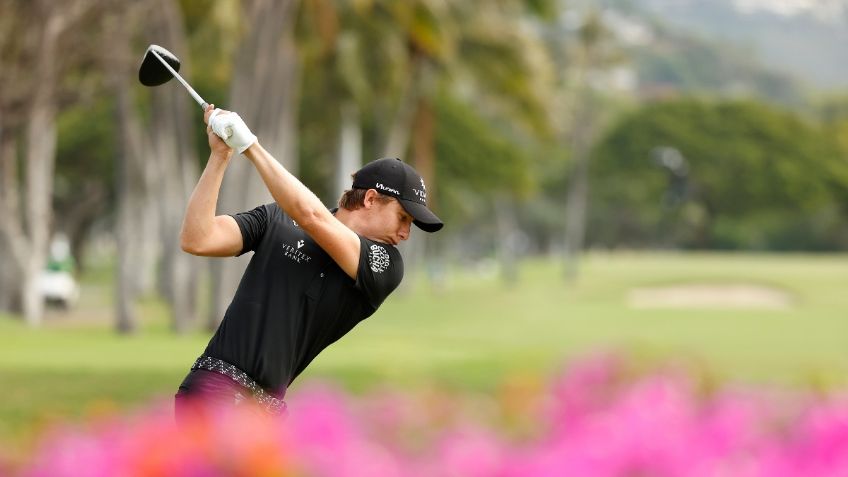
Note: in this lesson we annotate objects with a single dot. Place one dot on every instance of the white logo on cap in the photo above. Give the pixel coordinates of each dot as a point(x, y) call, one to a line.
point(421, 193)
point(387, 189)
point(379, 259)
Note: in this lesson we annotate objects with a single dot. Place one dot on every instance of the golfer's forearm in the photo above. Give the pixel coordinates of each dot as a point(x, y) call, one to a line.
point(290, 194)
point(199, 222)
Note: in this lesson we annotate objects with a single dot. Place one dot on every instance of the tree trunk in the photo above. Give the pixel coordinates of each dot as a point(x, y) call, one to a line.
point(584, 121)
point(350, 148)
point(172, 134)
point(149, 221)
point(582, 134)
point(578, 195)
point(12, 240)
point(76, 221)
point(415, 121)
point(130, 186)
point(40, 163)
point(397, 138)
point(507, 239)
point(127, 190)
point(424, 147)
point(265, 94)
point(8, 278)
point(424, 154)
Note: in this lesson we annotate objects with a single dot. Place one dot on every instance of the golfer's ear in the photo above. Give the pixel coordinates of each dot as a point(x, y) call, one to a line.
point(371, 196)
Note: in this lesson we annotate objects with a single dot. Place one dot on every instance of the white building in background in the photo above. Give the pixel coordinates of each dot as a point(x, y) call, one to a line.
point(57, 283)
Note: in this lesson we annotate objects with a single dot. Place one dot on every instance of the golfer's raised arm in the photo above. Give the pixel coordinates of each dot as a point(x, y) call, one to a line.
point(340, 242)
point(203, 233)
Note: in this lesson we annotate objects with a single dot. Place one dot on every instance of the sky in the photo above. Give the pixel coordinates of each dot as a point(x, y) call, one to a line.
point(825, 10)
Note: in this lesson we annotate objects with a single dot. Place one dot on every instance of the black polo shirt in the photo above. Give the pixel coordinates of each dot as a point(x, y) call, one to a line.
point(294, 300)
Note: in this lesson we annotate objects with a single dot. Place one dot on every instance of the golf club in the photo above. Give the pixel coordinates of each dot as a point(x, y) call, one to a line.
point(158, 66)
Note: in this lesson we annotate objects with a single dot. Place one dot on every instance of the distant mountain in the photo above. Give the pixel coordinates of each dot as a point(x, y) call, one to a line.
point(806, 38)
point(662, 59)
point(677, 62)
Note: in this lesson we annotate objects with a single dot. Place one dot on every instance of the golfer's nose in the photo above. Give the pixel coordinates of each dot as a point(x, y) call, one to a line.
point(403, 233)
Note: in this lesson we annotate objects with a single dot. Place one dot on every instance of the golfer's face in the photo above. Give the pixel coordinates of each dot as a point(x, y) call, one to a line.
point(394, 223)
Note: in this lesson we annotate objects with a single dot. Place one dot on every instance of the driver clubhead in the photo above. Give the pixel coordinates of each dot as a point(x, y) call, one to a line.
point(152, 72)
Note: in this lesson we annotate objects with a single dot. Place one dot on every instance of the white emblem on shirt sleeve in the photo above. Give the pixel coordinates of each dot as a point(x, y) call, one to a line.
point(379, 259)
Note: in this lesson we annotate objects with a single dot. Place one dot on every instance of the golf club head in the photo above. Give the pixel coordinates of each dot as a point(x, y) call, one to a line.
point(152, 72)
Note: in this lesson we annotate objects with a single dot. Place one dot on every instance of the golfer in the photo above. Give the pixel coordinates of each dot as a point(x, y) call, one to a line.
point(315, 273)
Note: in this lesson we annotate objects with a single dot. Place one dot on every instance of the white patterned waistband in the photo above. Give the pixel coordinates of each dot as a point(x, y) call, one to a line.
point(267, 401)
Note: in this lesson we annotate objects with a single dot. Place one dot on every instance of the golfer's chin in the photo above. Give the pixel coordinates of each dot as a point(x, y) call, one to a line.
point(387, 240)
point(383, 235)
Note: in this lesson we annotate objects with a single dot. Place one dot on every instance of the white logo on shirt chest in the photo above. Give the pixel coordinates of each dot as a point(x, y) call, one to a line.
point(293, 252)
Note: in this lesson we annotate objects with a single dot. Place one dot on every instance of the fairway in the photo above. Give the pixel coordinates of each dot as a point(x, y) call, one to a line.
point(473, 334)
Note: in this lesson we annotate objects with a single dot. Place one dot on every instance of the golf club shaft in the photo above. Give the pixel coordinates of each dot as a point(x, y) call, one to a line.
point(179, 78)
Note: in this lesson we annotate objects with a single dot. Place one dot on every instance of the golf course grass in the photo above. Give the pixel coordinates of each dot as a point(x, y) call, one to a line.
point(474, 333)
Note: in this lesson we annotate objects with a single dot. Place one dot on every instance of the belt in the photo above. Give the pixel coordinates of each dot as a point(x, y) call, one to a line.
point(270, 403)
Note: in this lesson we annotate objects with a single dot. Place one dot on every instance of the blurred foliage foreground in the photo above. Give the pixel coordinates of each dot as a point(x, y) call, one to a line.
point(471, 336)
point(597, 419)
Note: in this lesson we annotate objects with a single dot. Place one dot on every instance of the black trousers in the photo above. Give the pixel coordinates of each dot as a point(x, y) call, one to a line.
point(205, 391)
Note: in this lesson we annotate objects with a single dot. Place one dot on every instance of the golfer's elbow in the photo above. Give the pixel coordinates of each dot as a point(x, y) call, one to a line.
point(205, 248)
point(190, 244)
point(192, 241)
point(221, 238)
point(309, 217)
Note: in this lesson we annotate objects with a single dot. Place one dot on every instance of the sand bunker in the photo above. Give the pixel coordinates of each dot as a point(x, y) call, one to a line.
point(710, 296)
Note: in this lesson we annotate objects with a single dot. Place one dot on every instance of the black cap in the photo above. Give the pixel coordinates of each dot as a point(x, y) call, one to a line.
point(397, 179)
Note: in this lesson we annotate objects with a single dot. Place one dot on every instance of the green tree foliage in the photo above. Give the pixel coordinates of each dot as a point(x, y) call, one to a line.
point(747, 165)
point(835, 117)
point(393, 58)
point(478, 161)
point(84, 185)
point(85, 149)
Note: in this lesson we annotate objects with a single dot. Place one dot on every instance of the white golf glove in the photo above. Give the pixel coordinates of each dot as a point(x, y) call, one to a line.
point(232, 129)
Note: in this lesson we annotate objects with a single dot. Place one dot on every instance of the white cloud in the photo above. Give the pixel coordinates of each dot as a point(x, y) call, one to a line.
point(824, 10)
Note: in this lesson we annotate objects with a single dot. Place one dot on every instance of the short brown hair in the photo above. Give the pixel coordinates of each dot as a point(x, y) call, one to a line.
point(355, 198)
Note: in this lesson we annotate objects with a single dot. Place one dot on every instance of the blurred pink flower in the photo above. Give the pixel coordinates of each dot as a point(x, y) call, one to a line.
point(598, 419)
point(331, 441)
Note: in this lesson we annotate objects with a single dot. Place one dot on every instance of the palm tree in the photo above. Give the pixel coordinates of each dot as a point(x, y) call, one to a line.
point(593, 51)
point(333, 44)
point(489, 53)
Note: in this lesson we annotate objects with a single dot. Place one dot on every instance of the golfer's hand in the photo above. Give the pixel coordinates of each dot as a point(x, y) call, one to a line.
point(216, 144)
point(231, 128)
